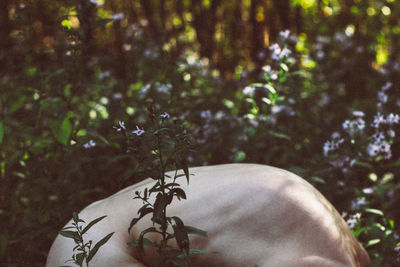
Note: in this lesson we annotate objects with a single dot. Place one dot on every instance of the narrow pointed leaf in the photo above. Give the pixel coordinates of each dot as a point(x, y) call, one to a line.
point(196, 231)
point(98, 245)
point(143, 212)
point(92, 223)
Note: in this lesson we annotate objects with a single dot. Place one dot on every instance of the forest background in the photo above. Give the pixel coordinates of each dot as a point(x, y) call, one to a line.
point(311, 86)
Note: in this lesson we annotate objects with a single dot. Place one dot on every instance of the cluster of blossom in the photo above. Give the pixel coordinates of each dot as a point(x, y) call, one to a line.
point(280, 50)
point(379, 144)
point(383, 134)
point(278, 53)
point(355, 125)
point(159, 88)
point(352, 219)
point(272, 74)
point(121, 127)
point(333, 144)
point(382, 94)
point(89, 144)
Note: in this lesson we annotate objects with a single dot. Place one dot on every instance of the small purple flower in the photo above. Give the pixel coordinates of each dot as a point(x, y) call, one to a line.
point(165, 116)
point(89, 144)
point(392, 118)
point(138, 131)
point(382, 97)
point(386, 86)
point(378, 119)
point(121, 126)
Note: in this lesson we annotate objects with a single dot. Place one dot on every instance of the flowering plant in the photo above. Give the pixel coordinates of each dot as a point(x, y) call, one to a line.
point(160, 147)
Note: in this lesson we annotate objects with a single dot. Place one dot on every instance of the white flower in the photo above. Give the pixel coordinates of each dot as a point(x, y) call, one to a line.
point(138, 131)
point(346, 124)
point(358, 113)
point(118, 16)
point(356, 204)
point(378, 119)
point(378, 136)
point(285, 34)
point(278, 53)
point(120, 127)
point(368, 190)
point(360, 124)
point(248, 90)
point(205, 114)
point(391, 133)
point(382, 97)
point(392, 118)
point(353, 220)
point(266, 68)
point(386, 86)
point(89, 144)
point(104, 74)
point(96, 2)
point(331, 145)
point(372, 149)
point(165, 115)
point(335, 135)
point(117, 96)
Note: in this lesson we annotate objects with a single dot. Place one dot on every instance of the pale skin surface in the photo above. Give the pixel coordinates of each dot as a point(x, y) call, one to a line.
point(254, 214)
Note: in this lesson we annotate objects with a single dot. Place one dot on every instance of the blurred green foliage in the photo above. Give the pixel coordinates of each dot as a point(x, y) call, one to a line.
point(70, 70)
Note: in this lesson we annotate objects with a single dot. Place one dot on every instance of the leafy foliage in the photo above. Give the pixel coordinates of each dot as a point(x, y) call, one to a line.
point(164, 144)
point(84, 250)
point(72, 69)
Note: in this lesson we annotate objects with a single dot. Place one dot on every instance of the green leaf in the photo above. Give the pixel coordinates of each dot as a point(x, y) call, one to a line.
point(92, 223)
point(197, 251)
point(18, 104)
point(98, 245)
point(67, 24)
point(75, 216)
point(196, 231)
point(62, 131)
point(146, 242)
point(79, 258)
point(279, 135)
point(179, 193)
point(186, 171)
point(159, 205)
point(373, 242)
point(239, 156)
point(374, 211)
point(143, 211)
point(318, 180)
point(359, 231)
point(363, 164)
point(181, 234)
point(71, 234)
point(1, 132)
point(284, 67)
point(141, 238)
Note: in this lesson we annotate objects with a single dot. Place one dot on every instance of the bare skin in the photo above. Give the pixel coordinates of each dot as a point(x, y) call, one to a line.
point(253, 214)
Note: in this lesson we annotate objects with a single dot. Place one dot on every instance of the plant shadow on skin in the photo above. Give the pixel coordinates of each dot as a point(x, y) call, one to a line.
point(85, 251)
point(164, 145)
